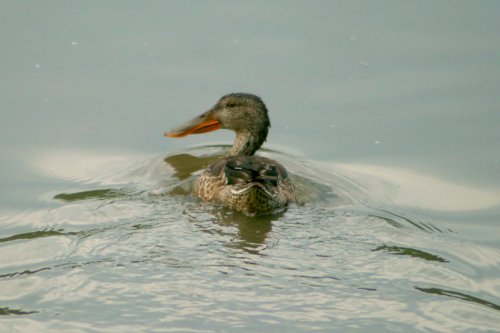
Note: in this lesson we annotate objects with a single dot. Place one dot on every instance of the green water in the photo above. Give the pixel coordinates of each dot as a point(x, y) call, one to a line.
point(385, 113)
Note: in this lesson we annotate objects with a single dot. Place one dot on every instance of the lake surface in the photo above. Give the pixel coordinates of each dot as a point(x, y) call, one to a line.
point(386, 114)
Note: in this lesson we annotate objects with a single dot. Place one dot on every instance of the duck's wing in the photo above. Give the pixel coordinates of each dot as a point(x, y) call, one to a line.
point(250, 184)
point(241, 170)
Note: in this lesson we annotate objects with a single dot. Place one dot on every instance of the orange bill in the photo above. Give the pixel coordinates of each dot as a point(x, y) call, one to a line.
point(201, 124)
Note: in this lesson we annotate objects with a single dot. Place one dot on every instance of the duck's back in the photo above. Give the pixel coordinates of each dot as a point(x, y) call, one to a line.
point(254, 185)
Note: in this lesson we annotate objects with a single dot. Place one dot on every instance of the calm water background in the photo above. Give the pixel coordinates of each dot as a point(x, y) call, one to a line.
point(386, 113)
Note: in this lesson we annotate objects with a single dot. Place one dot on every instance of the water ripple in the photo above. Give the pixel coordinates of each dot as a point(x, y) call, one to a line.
point(138, 251)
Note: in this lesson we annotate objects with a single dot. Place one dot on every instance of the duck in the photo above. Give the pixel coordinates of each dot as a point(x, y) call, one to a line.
point(241, 181)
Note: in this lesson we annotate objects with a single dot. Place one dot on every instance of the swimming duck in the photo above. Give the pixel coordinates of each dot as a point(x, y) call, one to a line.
point(253, 185)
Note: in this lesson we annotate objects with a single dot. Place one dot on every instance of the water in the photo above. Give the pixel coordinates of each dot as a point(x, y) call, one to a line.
point(385, 114)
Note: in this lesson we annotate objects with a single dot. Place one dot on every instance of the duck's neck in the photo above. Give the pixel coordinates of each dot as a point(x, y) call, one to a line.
point(246, 144)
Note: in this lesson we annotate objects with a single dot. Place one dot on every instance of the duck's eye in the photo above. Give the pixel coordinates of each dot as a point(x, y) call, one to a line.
point(231, 105)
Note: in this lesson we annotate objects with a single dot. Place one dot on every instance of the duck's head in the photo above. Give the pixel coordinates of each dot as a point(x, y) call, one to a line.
point(244, 114)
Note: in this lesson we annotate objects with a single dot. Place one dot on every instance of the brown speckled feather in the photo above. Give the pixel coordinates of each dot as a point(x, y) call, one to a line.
point(250, 184)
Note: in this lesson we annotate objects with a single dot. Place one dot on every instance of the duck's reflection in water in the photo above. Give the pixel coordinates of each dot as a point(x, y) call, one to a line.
point(185, 165)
